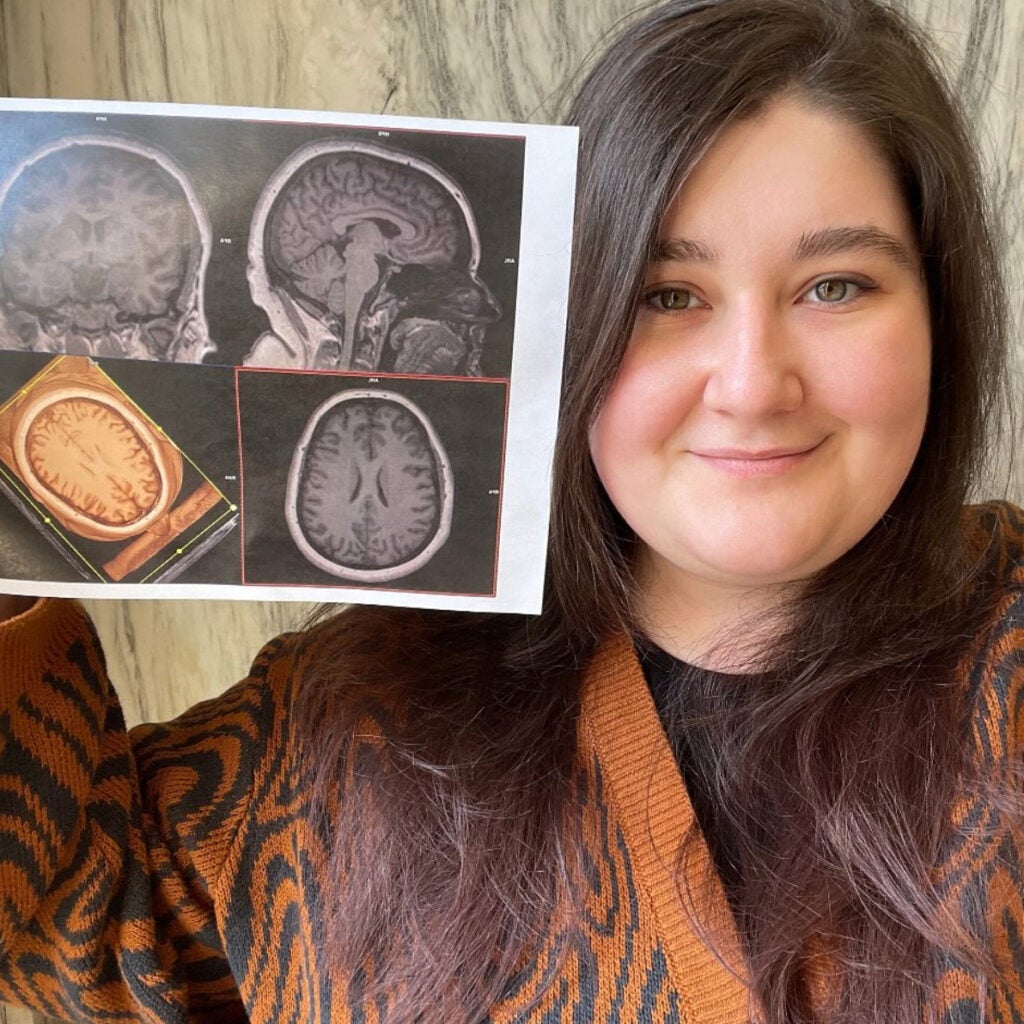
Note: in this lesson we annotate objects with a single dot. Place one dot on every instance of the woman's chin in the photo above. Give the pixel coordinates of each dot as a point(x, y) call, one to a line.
point(749, 562)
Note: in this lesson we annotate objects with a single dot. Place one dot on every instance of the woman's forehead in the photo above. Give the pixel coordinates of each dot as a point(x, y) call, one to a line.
point(796, 170)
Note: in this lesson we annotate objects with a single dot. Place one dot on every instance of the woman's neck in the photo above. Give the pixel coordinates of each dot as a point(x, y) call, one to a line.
point(709, 624)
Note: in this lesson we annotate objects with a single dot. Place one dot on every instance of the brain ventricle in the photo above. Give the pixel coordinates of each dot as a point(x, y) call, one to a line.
point(370, 488)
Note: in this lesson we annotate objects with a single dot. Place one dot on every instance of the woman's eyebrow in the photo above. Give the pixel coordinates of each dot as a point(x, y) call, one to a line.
point(828, 241)
point(833, 240)
point(681, 250)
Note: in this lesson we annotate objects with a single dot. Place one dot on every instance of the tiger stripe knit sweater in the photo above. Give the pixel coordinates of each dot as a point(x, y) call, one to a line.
point(169, 874)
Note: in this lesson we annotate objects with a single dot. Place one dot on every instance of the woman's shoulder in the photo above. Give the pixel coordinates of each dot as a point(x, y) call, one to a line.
point(994, 670)
point(997, 529)
point(256, 709)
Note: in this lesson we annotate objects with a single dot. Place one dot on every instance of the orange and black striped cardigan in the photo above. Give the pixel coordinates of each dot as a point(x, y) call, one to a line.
point(169, 874)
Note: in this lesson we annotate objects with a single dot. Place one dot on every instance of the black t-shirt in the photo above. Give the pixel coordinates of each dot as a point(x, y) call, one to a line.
point(681, 696)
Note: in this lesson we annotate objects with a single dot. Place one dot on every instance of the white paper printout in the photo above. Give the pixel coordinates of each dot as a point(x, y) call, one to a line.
point(266, 354)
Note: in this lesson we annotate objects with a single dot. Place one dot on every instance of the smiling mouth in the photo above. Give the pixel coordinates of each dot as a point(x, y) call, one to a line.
point(764, 462)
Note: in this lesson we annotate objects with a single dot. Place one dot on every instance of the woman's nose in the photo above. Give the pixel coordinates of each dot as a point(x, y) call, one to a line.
point(755, 368)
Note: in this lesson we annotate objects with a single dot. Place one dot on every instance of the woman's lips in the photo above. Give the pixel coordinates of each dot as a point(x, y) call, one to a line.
point(762, 462)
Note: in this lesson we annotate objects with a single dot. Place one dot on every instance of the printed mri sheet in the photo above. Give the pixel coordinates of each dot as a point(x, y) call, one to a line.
point(279, 355)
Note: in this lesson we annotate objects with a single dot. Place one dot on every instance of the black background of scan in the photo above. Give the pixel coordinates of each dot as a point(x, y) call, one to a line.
point(230, 161)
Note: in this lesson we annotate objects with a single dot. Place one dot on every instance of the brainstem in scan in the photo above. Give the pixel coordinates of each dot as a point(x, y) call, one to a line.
point(370, 491)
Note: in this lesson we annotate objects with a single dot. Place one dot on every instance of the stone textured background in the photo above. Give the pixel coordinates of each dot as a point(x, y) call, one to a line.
point(487, 59)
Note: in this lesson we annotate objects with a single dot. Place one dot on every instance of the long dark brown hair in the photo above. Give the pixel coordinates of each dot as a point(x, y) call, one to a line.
point(454, 853)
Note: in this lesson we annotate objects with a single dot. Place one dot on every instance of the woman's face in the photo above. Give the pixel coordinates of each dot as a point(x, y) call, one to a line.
point(774, 390)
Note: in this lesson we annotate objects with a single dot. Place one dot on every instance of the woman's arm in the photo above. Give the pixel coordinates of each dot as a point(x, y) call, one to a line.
point(105, 887)
point(11, 605)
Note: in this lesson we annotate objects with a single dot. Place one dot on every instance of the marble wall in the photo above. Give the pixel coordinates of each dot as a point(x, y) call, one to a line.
point(466, 58)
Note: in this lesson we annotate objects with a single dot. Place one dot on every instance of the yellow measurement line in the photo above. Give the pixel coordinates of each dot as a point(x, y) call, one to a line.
point(181, 550)
point(158, 427)
point(33, 381)
point(48, 522)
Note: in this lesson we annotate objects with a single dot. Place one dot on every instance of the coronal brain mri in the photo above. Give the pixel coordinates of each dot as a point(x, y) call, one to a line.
point(370, 489)
point(100, 254)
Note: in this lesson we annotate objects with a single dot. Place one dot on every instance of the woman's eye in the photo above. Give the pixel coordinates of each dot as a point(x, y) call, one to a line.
point(835, 290)
point(671, 300)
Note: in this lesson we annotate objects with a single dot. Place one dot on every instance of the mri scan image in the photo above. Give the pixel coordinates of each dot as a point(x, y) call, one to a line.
point(99, 479)
point(103, 246)
point(96, 463)
point(247, 350)
point(370, 488)
point(366, 259)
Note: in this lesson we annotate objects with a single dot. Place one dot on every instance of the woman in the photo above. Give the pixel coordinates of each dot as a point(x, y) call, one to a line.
point(785, 343)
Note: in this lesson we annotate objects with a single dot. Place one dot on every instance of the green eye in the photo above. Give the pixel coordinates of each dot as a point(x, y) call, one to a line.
point(671, 299)
point(831, 290)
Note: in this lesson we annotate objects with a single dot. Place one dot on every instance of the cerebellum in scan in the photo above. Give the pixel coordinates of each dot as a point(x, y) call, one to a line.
point(370, 493)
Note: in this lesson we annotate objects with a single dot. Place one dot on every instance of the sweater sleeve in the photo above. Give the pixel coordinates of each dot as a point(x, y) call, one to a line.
point(111, 842)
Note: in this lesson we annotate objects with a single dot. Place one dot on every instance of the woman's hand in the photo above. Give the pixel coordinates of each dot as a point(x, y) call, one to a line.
point(11, 605)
